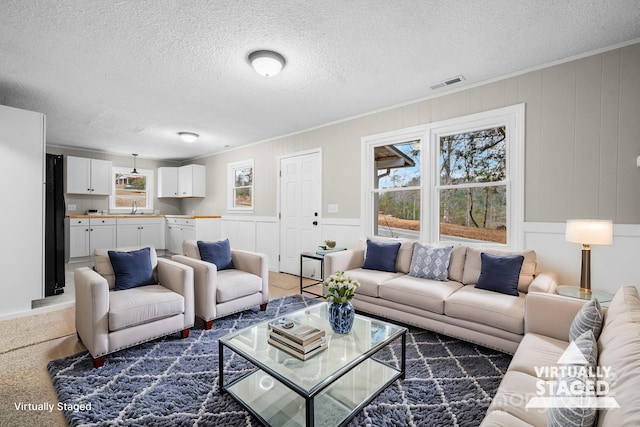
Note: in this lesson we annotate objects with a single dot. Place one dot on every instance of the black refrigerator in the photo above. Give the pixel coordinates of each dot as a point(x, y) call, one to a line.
point(54, 227)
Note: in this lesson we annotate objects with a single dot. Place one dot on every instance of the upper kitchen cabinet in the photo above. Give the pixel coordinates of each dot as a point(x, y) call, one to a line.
point(185, 181)
point(88, 176)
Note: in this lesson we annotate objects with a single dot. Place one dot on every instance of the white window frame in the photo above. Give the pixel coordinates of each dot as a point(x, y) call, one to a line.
point(512, 117)
point(231, 186)
point(148, 173)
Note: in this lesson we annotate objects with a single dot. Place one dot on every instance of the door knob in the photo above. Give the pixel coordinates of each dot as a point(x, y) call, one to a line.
point(315, 222)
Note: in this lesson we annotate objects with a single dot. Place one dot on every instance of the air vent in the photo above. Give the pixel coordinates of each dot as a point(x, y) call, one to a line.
point(448, 82)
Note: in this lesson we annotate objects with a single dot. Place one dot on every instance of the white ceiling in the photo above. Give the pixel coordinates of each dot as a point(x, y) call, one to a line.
point(124, 76)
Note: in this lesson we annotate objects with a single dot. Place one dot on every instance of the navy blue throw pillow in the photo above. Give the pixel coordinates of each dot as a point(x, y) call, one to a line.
point(132, 269)
point(500, 273)
point(381, 256)
point(218, 253)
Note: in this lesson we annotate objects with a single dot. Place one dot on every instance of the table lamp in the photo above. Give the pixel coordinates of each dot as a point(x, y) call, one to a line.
point(588, 232)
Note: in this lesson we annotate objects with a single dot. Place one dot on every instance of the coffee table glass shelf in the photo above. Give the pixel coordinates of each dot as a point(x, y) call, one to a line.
point(328, 389)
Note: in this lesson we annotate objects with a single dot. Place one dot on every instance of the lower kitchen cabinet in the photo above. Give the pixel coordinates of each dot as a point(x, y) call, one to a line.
point(138, 232)
point(181, 229)
point(87, 234)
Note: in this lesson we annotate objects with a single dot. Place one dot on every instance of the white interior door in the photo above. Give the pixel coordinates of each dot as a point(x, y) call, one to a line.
point(300, 207)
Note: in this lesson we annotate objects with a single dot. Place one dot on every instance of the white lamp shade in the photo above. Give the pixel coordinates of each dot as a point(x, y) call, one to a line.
point(266, 62)
point(589, 231)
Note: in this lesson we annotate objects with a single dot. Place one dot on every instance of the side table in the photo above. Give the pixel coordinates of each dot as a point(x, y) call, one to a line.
point(604, 298)
point(318, 256)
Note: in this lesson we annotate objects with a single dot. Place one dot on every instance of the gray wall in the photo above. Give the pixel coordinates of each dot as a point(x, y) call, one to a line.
point(582, 140)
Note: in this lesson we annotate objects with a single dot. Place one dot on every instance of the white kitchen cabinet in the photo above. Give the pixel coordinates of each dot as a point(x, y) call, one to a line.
point(88, 234)
point(102, 234)
point(185, 181)
point(181, 229)
point(88, 176)
point(167, 182)
point(138, 232)
point(79, 238)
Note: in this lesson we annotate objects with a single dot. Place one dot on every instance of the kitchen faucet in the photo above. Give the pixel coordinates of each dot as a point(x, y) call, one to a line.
point(134, 207)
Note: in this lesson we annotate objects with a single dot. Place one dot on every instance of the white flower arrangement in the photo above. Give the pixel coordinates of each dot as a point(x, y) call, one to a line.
point(340, 289)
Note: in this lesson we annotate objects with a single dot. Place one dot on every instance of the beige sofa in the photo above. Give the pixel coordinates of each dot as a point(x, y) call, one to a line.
point(547, 320)
point(454, 307)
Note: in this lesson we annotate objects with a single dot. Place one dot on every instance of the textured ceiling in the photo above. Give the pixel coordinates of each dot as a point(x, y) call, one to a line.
point(125, 76)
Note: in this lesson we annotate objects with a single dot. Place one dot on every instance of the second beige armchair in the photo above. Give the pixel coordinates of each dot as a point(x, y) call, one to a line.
point(219, 292)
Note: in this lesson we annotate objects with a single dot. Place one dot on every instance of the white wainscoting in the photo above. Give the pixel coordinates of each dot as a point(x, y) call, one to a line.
point(611, 266)
point(253, 233)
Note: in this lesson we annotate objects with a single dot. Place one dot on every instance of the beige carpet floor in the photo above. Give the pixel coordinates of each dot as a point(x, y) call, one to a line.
point(27, 344)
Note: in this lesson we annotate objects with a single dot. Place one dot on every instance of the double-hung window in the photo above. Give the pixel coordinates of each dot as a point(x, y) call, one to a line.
point(240, 181)
point(455, 181)
point(131, 192)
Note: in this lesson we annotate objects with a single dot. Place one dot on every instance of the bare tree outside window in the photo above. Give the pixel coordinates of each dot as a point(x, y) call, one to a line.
point(473, 191)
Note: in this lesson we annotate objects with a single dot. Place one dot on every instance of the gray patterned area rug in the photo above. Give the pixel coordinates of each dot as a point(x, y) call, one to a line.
point(174, 382)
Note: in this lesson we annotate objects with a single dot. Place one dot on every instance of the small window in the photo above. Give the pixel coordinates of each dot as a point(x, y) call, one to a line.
point(240, 179)
point(131, 192)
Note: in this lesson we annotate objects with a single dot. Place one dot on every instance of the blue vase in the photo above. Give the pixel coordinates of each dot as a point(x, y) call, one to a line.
point(341, 316)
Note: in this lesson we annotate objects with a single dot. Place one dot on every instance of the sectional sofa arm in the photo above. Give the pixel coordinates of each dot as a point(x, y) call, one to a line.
point(550, 315)
point(544, 282)
point(343, 261)
point(92, 310)
point(179, 278)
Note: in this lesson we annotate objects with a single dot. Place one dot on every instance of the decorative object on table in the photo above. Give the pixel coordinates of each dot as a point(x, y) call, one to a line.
point(300, 341)
point(588, 232)
point(330, 243)
point(340, 291)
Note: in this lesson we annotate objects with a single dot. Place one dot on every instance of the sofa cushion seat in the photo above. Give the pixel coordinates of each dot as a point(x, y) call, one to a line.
point(233, 284)
point(486, 307)
point(538, 351)
point(142, 305)
point(417, 292)
point(512, 398)
point(370, 280)
point(499, 418)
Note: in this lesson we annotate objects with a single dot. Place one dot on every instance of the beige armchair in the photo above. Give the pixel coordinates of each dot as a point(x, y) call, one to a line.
point(108, 320)
point(224, 292)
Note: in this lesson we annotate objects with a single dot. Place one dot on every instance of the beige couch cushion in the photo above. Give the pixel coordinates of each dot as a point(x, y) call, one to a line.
point(473, 266)
point(370, 280)
point(403, 261)
point(103, 263)
point(619, 348)
point(488, 308)
point(456, 263)
point(500, 418)
point(417, 292)
point(515, 391)
point(141, 305)
point(538, 351)
point(234, 284)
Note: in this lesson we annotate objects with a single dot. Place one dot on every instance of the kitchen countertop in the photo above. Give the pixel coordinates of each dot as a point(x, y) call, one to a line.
point(145, 216)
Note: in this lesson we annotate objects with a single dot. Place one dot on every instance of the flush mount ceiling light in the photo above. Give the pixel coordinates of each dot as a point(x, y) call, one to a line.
point(266, 62)
point(188, 136)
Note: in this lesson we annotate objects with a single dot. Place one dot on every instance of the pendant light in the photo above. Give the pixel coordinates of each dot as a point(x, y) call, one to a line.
point(134, 171)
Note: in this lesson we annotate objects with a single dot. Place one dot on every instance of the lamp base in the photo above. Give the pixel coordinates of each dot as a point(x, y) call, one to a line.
point(585, 290)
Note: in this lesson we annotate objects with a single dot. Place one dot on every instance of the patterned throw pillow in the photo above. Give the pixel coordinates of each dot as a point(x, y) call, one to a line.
point(574, 409)
point(430, 263)
point(589, 318)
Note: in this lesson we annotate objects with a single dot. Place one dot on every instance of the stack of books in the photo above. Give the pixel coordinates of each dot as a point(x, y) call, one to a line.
point(301, 341)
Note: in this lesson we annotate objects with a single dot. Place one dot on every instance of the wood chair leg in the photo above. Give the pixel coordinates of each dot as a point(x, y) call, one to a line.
point(208, 324)
point(185, 333)
point(263, 307)
point(98, 361)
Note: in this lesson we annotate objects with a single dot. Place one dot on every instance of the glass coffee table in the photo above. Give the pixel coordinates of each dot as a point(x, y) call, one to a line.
point(328, 389)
